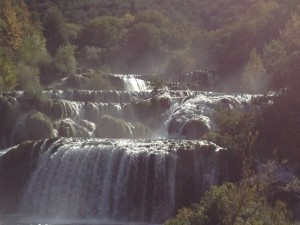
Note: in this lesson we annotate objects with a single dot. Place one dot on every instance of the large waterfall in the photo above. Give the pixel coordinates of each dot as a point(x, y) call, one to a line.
point(114, 180)
point(120, 180)
point(133, 177)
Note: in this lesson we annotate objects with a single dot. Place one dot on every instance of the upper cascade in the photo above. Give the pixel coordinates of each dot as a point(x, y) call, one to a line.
point(195, 115)
point(132, 82)
point(114, 114)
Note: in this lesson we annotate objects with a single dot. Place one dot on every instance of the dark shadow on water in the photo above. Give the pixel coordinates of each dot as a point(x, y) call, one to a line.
point(15, 220)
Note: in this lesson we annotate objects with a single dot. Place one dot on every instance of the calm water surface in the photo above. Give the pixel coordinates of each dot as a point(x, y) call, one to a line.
point(17, 220)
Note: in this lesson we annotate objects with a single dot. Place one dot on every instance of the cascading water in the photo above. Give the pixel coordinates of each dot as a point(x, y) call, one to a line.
point(117, 180)
point(131, 83)
point(108, 179)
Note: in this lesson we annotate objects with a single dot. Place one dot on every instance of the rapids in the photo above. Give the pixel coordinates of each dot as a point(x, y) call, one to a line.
point(135, 177)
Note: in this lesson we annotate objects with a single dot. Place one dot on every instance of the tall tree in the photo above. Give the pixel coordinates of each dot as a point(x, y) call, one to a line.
point(54, 29)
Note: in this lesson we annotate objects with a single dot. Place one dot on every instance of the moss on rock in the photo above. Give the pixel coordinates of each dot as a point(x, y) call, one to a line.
point(110, 127)
point(33, 126)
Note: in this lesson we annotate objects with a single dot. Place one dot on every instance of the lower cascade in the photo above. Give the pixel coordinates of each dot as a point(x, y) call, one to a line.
point(107, 179)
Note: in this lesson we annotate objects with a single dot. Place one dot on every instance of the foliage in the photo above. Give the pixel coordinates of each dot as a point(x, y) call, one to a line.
point(64, 60)
point(54, 29)
point(234, 127)
point(7, 73)
point(254, 77)
point(110, 127)
point(35, 127)
point(11, 29)
point(33, 50)
point(157, 82)
point(100, 81)
point(143, 38)
point(28, 80)
point(101, 32)
point(283, 134)
point(179, 63)
point(245, 202)
point(233, 204)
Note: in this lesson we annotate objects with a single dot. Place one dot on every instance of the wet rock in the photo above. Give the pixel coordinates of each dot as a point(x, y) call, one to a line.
point(57, 110)
point(66, 129)
point(76, 81)
point(194, 129)
point(91, 112)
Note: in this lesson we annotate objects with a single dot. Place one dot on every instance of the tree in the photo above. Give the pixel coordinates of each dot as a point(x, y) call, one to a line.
point(143, 38)
point(101, 32)
point(290, 37)
point(54, 29)
point(254, 78)
point(10, 28)
point(64, 60)
point(237, 204)
point(7, 73)
point(179, 63)
point(274, 58)
point(33, 50)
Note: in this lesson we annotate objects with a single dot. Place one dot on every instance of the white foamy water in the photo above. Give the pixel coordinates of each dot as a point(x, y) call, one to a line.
point(202, 107)
point(132, 83)
point(111, 180)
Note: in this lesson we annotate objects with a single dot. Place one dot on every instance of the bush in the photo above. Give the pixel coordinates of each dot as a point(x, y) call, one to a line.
point(33, 126)
point(99, 81)
point(64, 59)
point(233, 204)
point(234, 127)
point(110, 127)
point(179, 63)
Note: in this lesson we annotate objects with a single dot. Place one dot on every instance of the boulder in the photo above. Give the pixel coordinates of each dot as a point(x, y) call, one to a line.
point(194, 129)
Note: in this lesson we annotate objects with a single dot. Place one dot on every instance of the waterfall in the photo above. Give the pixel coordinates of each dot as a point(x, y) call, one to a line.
point(131, 83)
point(113, 181)
point(119, 180)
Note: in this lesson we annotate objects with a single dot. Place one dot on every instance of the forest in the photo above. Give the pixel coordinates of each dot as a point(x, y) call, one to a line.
point(50, 39)
point(252, 46)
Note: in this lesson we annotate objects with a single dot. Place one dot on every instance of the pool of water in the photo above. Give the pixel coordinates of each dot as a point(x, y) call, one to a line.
point(18, 220)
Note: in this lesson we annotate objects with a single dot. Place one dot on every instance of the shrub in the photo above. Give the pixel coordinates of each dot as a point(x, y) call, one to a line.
point(110, 127)
point(33, 126)
point(233, 204)
point(179, 63)
point(64, 59)
point(99, 81)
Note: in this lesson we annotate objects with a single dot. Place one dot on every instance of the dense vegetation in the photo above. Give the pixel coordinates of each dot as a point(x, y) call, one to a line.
point(253, 45)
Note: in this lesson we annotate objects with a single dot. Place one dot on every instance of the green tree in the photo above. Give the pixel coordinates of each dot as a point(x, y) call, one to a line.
point(54, 29)
point(33, 50)
point(290, 37)
point(274, 58)
point(143, 38)
point(179, 63)
point(254, 77)
point(101, 32)
point(64, 60)
point(10, 28)
point(7, 73)
point(236, 204)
